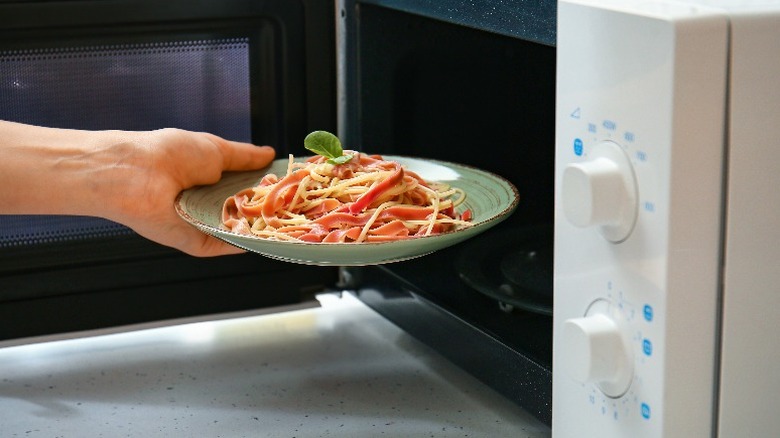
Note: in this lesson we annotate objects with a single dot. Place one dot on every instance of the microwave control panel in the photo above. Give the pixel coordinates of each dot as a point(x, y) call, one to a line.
point(639, 162)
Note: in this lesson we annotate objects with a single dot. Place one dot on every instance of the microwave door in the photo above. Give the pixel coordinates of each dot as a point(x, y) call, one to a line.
point(246, 70)
point(416, 81)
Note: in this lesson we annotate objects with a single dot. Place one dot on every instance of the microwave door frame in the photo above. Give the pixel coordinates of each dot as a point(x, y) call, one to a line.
point(512, 373)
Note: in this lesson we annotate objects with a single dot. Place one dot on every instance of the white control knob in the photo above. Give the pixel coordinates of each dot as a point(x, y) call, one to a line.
point(601, 192)
point(595, 350)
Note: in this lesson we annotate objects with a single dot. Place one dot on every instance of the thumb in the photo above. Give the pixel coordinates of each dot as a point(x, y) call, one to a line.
point(244, 156)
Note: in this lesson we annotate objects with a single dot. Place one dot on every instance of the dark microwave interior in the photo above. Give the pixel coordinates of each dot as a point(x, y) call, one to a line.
point(426, 87)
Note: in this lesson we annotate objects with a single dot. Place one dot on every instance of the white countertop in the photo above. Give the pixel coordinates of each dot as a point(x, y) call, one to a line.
point(339, 370)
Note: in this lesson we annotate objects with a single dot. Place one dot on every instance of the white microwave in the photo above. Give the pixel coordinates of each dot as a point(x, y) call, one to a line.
point(667, 227)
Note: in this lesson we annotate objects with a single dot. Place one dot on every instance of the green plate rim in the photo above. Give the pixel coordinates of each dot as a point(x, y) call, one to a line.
point(477, 228)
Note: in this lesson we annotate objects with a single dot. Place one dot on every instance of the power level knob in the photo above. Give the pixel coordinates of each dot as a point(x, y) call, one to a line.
point(601, 192)
point(596, 351)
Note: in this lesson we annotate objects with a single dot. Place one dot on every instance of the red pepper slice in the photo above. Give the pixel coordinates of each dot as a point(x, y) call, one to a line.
point(377, 189)
point(274, 200)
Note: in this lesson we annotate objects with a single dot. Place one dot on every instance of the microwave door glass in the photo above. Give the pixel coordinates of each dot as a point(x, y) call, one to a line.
point(200, 85)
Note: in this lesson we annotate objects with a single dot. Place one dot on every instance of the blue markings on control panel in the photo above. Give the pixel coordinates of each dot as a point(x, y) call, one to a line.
point(578, 149)
point(645, 409)
point(592, 128)
point(647, 311)
point(647, 347)
point(649, 207)
point(629, 137)
point(641, 156)
point(609, 125)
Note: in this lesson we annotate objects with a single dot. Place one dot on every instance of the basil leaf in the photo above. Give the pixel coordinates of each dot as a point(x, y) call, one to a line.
point(324, 143)
point(340, 160)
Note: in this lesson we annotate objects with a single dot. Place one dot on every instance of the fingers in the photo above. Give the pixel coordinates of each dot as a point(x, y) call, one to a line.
point(186, 238)
point(244, 156)
point(212, 247)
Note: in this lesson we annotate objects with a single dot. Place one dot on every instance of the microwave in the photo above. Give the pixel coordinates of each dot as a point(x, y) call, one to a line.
point(452, 80)
point(666, 236)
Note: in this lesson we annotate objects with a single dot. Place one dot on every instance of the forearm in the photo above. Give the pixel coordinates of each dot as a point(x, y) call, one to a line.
point(56, 171)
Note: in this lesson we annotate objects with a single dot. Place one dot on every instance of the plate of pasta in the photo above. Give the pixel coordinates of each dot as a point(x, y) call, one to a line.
point(370, 210)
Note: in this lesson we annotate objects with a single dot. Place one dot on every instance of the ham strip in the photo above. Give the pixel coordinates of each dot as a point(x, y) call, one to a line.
point(367, 199)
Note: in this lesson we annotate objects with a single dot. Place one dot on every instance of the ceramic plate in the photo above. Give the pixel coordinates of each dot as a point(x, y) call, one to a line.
point(491, 199)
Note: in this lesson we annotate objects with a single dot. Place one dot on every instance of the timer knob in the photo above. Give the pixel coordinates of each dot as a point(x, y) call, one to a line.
point(601, 192)
point(596, 351)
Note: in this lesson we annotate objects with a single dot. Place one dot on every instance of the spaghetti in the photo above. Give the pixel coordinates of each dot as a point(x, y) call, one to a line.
point(368, 199)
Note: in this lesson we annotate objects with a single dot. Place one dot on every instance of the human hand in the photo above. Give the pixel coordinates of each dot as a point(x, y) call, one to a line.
point(129, 177)
point(164, 163)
